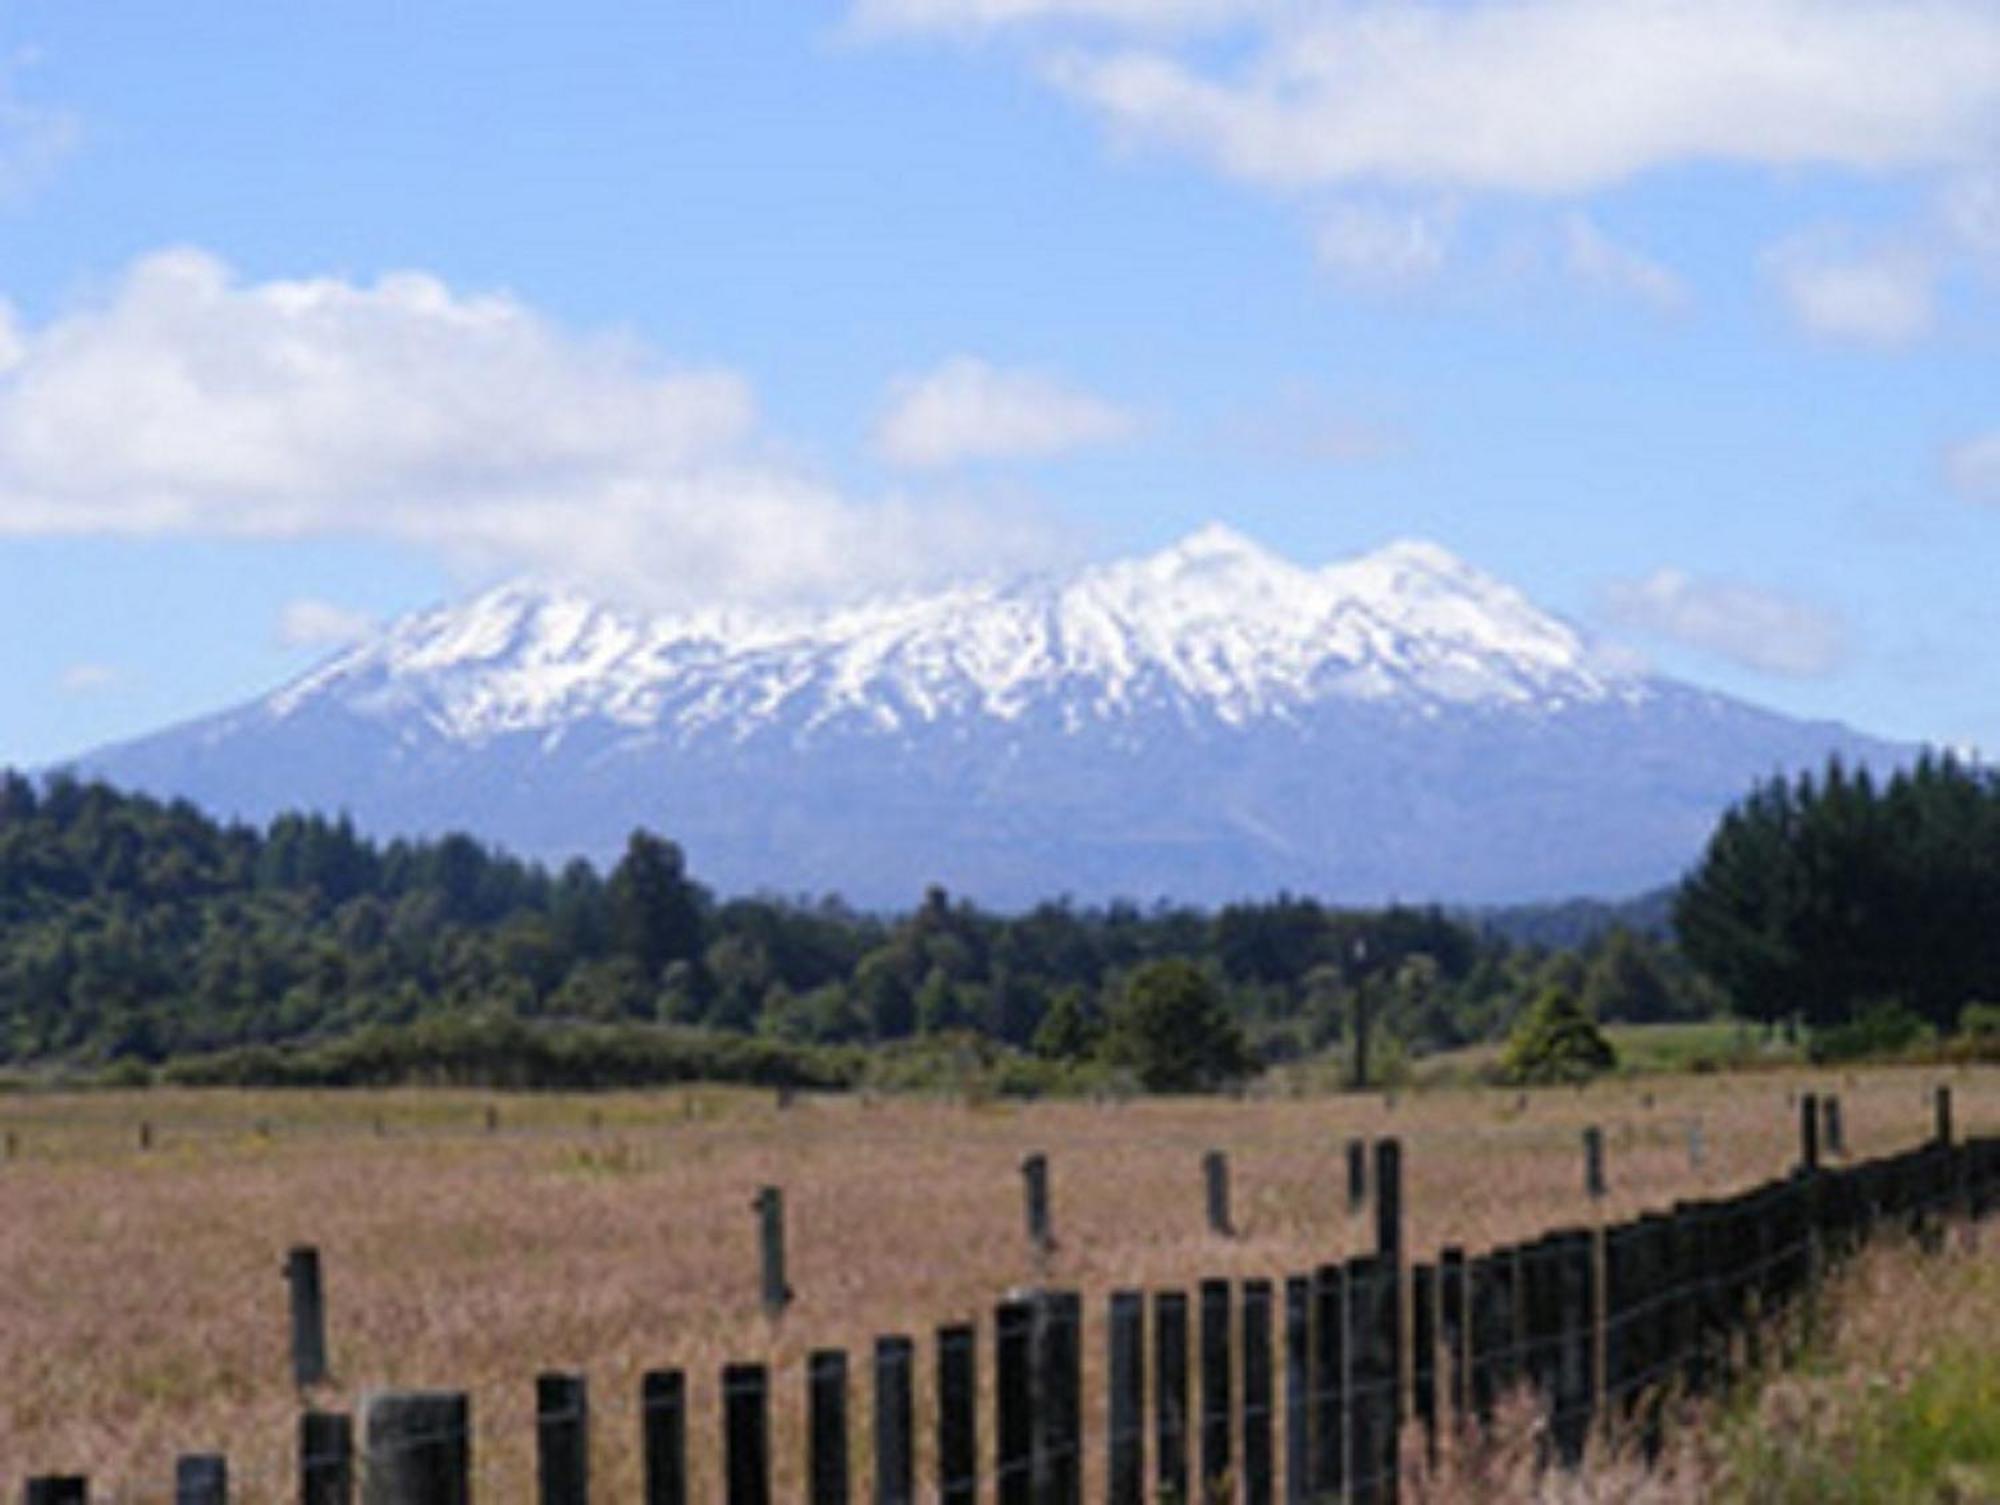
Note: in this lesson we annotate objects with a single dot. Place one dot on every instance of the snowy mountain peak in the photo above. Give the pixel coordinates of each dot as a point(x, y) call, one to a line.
point(1215, 627)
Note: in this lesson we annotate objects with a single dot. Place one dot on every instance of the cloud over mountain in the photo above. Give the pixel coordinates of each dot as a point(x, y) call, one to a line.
point(188, 401)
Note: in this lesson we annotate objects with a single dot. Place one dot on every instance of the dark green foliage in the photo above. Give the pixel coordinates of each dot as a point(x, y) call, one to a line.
point(1817, 897)
point(1556, 1041)
point(1173, 1031)
point(1883, 1028)
point(135, 930)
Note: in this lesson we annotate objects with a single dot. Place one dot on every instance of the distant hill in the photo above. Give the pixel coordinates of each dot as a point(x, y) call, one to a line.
point(1208, 723)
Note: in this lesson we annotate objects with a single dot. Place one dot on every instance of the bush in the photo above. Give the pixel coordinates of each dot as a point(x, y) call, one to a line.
point(1173, 1030)
point(1556, 1041)
point(1884, 1028)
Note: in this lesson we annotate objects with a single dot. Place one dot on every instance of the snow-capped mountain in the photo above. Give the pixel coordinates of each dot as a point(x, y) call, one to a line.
point(1206, 722)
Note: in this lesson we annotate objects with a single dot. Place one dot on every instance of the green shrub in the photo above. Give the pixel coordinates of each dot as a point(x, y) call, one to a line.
point(1884, 1028)
point(1556, 1041)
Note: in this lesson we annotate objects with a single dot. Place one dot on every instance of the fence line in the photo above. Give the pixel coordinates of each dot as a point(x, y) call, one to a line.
point(1597, 1323)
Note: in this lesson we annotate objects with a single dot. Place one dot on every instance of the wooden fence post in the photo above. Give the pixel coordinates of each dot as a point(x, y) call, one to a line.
point(895, 1463)
point(770, 1210)
point(308, 1305)
point(58, 1489)
point(1216, 1401)
point(663, 1432)
point(562, 1439)
point(1298, 1389)
point(1593, 1163)
point(1372, 1324)
point(1832, 1130)
point(1215, 1175)
point(746, 1430)
point(1809, 1132)
point(417, 1448)
point(1452, 1327)
point(1329, 1380)
point(201, 1479)
point(1258, 1408)
point(1014, 1419)
point(326, 1458)
point(826, 1426)
point(1357, 1174)
point(1424, 1352)
point(1035, 1193)
point(1125, 1419)
point(958, 1421)
point(1574, 1253)
point(1058, 1398)
point(1170, 1393)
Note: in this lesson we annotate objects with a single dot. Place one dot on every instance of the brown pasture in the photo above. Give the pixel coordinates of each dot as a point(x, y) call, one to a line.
point(143, 1310)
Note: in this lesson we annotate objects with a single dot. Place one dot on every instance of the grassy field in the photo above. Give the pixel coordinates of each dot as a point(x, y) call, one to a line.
point(143, 1314)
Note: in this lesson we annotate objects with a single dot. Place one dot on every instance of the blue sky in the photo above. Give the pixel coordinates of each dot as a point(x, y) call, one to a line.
point(1678, 314)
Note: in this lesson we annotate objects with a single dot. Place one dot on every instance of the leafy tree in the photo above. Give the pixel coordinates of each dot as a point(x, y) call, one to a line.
point(655, 913)
point(1556, 1041)
point(1071, 1028)
point(1171, 1028)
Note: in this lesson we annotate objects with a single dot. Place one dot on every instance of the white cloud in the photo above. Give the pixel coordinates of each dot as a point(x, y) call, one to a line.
point(1595, 258)
point(186, 401)
point(1745, 624)
point(1374, 243)
point(34, 139)
point(1563, 96)
point(967, 409)
point(1972, 212)
point(1881, 296)
point(980, 16)
point(1973, 468)
point(88, 679)
point(310, 623)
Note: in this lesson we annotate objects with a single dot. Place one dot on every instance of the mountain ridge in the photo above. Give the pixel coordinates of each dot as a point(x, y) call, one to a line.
point(1204, 722)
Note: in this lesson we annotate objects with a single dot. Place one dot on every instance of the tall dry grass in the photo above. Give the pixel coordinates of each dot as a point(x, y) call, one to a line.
point(143, 1313)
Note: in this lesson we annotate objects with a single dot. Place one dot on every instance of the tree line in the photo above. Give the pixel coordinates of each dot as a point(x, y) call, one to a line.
point(1849, 903)
point(133, 929)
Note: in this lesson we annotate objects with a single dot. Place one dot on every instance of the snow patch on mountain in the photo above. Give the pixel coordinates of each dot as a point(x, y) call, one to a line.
point(1214, 627)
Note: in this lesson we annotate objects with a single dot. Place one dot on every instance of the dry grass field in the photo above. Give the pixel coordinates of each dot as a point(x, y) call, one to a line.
point(143, 1312)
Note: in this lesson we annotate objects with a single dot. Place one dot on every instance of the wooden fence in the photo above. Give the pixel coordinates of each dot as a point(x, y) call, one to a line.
point(1315, 1388)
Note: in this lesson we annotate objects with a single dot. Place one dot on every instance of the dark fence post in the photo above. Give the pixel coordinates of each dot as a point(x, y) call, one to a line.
point(562, 1439)
point(746, 1431)
point(1035, 1190)
point(1298, 1389)
point(1215, 1175)
point(1832, 1130)
point(326, 1458)
point(1258, 1408)
point(308, 1303)
point(1372, 1323)
point(1941, 1108)
point(1593, 1162)
point(826, 1425)
point(1809, 1132)
point(895, 1461)
point(1424, 1352)
point(1357, 1174)
point(1125, 1444)
point(1389, 1201)
point(1059, 1395)
point(1575, 1255)
point(58, 1489)
point(958, 1423)
point(1170, 1392)
point(1216, 1401)
point(770, 1210)
point(663, 1429)
point(417, 1448)
point(1014, 1421)
point(1329, 1374)
point(1452, 1327)
point(201, 1479)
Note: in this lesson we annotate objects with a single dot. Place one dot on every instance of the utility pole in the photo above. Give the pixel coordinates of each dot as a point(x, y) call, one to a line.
point(1360, 1082)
